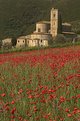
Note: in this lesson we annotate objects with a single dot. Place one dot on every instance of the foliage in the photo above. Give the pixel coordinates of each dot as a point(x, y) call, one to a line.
point(14, 41)
point(0, 44)
point(59, 39)
point(19, 17)
point(76, 26)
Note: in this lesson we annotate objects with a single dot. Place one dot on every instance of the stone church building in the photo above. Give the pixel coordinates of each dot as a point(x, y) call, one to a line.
point(46, 30)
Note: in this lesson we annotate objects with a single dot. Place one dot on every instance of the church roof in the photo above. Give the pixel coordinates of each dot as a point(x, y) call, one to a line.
point(72, 33)
point(22, 37)
point(43, 22)
point(40, 33)
point(67, 24)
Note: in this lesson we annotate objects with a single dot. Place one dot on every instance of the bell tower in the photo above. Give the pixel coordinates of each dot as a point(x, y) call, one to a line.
point(55, 22)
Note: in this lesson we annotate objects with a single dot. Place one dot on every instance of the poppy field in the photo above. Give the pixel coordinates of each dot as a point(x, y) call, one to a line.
point(40, 85)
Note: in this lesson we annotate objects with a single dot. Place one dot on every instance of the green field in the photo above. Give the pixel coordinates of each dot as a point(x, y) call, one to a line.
point(40, 85)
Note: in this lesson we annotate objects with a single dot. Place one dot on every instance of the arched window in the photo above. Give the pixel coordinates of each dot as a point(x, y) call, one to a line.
point(39, 30)
point(41, 40)
point(54, 15)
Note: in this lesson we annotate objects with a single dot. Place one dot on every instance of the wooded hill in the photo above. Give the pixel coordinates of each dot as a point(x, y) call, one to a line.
point(18, 17)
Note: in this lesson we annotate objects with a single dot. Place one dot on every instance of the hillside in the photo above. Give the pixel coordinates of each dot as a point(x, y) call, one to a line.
point(18, 17)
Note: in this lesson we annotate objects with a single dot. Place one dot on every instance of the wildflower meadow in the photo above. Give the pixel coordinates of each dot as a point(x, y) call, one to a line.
point(40, 85)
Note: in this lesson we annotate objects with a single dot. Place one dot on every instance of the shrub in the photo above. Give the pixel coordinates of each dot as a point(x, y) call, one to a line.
point(7, 45)
point(0, 43)
point(14, 41)
point(60, 39)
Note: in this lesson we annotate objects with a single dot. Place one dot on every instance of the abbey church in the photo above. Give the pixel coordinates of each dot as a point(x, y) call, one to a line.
point(46, 31)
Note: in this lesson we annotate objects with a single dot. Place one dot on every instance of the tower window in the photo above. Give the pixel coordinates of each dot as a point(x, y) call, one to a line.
point(39, 30)
point(54, 15)
point(41, 40)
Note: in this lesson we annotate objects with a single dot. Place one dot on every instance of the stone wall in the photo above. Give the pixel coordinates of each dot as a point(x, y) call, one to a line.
point(21, 42)
point(7, 43)
point(37, 43)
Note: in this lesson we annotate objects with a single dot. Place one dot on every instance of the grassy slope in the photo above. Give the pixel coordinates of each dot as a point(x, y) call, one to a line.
point(18, 17)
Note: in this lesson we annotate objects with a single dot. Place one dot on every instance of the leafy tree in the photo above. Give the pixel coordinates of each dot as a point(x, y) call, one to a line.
point(60, 38)
point(14, 41)
point(18, 17)
point(0, 43)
